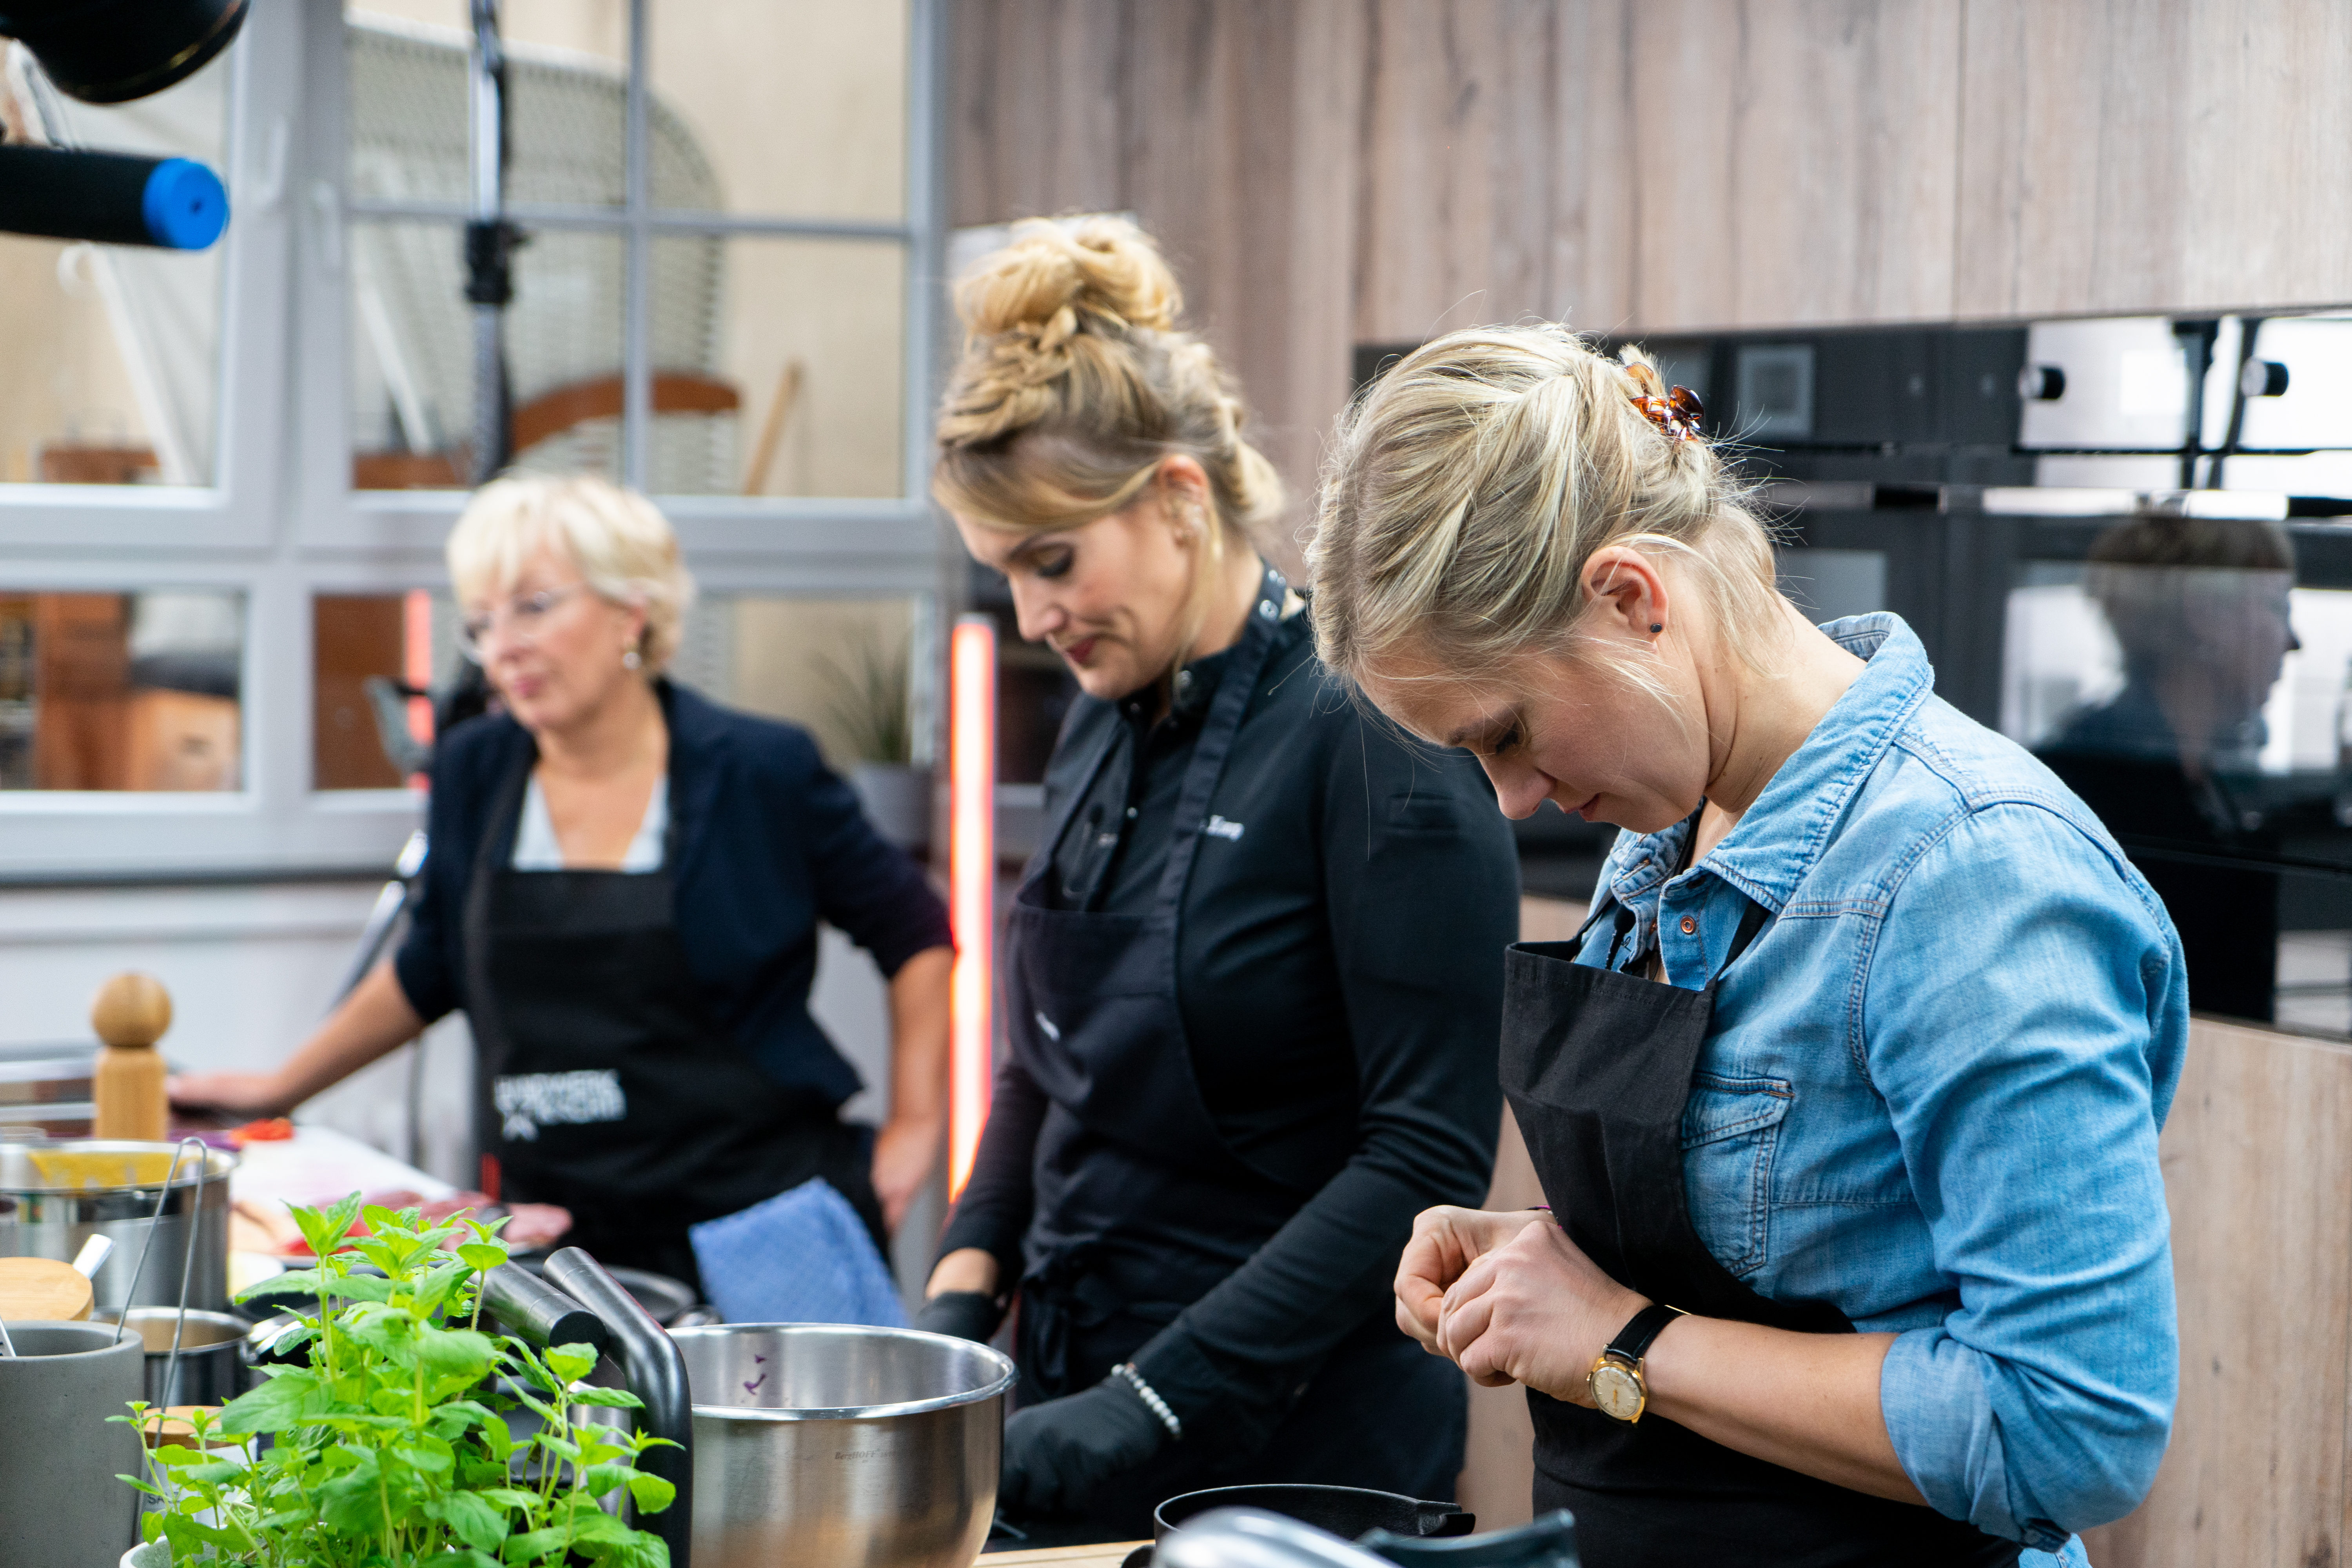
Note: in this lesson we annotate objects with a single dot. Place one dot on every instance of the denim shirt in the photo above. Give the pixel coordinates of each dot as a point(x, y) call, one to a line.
point(1931, 1090)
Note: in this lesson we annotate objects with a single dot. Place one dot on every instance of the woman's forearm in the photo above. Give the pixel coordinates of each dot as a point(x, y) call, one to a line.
point(918, 1039)
point(1805, 1402)
point(908, 1147)
point(371, 1023)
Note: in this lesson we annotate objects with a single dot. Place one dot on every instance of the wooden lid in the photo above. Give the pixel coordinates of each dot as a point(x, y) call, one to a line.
point(42, 1290)
point(132, 1009)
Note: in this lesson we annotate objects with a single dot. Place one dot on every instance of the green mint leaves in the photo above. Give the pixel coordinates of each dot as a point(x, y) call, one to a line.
point(392, 1448)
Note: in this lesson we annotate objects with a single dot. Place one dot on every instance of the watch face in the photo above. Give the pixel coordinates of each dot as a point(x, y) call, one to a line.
point(1617, 1391)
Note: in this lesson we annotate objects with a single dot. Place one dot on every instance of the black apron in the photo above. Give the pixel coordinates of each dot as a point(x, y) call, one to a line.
point(1598, 1067)
point(602, 1082)
point(1142, 1208)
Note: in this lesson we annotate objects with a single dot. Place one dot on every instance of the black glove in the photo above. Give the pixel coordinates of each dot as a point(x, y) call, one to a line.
point(966, 1314)
point(1058, 1453)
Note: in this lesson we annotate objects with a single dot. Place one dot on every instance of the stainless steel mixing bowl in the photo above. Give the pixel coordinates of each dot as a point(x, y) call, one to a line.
point(851, 1447)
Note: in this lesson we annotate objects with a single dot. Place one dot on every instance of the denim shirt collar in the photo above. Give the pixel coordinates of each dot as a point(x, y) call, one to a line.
point(1778, 839)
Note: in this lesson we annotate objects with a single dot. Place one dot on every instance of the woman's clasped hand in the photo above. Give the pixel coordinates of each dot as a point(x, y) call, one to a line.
point(1509, 1298)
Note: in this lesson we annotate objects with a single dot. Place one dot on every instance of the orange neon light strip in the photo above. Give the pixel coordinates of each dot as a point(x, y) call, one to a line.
point(416, 658)
point(971, 886)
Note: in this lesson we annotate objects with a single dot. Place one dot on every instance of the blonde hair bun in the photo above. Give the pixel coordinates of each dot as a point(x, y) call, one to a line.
point(1052, 273)
point(1075, 384)
point(1466, 488)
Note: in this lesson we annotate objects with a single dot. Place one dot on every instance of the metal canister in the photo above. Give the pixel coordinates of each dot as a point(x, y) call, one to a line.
point(54, 1196)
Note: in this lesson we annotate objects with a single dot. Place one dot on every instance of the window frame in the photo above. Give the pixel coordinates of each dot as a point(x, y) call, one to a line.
point(282, 523)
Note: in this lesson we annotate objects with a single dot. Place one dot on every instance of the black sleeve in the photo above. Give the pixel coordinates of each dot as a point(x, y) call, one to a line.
point(993, 1212)
point(868, 887)
point(1422, 884)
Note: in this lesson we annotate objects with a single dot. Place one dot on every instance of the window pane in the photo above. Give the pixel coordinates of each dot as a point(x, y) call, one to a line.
point(413, 355)
point(379, 662)
point(114, 351)
point(121, 691)
point(566, 82)
point(847, 670)
point(796, 348)
point(793, 107)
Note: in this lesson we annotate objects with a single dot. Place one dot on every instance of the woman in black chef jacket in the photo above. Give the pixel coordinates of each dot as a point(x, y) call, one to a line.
point(1254, 973)
point(622, 893)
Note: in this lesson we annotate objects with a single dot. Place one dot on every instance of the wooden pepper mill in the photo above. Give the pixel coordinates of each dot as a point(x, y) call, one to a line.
point(130, 1015)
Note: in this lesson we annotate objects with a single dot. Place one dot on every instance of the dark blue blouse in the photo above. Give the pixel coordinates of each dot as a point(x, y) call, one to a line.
point(770, 842)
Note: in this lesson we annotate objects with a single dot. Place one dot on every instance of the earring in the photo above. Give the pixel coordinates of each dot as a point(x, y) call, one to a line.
point(1657, 627)
point(630, 658)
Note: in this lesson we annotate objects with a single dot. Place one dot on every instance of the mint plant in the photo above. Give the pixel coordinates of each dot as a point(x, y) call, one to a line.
point(391, 1449)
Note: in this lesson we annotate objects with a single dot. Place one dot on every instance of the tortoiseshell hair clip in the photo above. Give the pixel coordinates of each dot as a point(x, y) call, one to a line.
point(1677, 413)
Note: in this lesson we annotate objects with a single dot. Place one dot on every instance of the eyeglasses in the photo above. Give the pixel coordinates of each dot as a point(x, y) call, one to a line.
point(523, 615)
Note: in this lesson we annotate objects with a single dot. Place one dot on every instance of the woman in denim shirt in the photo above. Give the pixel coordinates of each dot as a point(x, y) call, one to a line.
point(1862, 1058)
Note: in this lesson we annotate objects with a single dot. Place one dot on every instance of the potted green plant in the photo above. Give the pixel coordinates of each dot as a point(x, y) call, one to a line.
point(391, 1448)
point(869, 708)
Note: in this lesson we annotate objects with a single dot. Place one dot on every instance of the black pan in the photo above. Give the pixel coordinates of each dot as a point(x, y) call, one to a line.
point(1346, 1511)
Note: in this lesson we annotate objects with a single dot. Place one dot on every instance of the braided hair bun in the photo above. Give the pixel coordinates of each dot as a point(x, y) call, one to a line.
point(1076, 382)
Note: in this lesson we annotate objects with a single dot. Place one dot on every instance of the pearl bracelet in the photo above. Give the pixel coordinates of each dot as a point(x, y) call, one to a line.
point(1151, 1397)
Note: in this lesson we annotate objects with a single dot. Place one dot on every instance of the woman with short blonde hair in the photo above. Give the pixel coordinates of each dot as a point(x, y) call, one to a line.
point(623, 548)
point(624, 893)
point(1846, 1098)
point(1251, 971)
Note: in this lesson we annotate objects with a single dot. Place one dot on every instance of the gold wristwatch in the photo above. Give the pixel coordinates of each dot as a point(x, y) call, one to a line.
point(1615, 1381)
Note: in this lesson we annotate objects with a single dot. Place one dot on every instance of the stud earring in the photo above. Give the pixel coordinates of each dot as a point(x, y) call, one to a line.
point(630, 658)
point(1657, 627)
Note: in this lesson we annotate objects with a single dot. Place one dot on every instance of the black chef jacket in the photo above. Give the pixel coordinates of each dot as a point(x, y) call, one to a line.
point(1340, 963)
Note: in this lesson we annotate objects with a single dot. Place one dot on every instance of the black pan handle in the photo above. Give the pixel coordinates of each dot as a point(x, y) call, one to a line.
point(538, 1314)
point(1437, 1520)
point(657, 1372)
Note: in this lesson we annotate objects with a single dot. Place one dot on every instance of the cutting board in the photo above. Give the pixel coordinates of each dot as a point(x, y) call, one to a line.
point(42, 1290)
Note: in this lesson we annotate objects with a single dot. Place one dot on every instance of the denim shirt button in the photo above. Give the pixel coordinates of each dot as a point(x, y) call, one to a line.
point(1689, 925)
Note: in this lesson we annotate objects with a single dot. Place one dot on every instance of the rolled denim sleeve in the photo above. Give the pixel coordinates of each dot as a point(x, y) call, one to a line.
point(2024, 1014)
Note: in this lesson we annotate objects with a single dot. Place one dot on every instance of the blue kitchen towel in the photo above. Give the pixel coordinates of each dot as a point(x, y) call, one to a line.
point(801, 1256)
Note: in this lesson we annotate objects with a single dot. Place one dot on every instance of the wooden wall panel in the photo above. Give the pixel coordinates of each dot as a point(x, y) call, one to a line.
point(1595, 242)
point(1684, 63)
point(1434, 115)
point(1300, 376)
point(2269, 100)
point(1331, 172)
point(1844, 160)
point(2258, 1174)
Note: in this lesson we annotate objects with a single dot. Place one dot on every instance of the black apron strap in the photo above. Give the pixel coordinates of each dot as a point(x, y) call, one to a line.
point(1234, 689)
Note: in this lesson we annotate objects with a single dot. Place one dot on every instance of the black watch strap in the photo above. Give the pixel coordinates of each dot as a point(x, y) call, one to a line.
point(1633, 1340)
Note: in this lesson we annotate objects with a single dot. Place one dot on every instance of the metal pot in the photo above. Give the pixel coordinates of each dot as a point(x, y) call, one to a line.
point(831, 1443)
point(56, 1196)
point(211, 1370)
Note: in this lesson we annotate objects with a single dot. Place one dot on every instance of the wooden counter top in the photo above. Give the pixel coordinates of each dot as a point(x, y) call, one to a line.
point(1103, 1555)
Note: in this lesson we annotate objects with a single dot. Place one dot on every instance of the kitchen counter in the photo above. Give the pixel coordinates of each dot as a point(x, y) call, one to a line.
point(1105, 1554)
